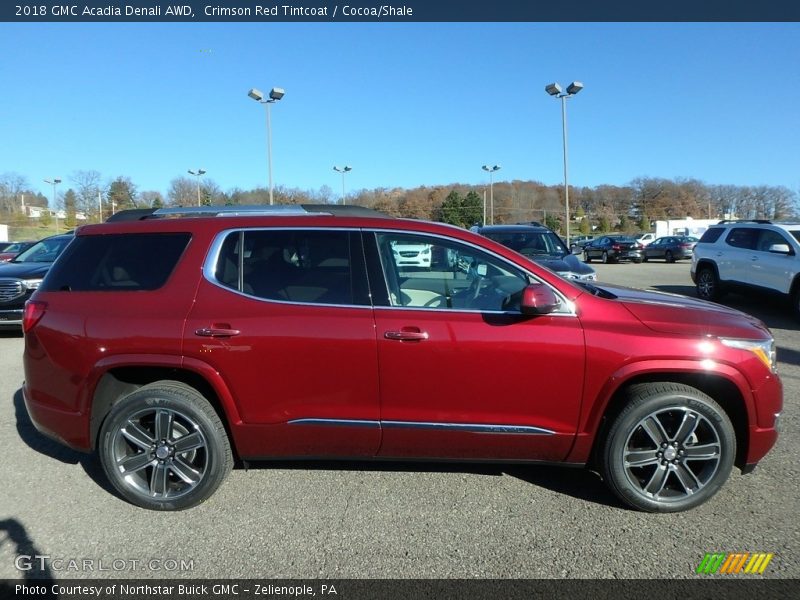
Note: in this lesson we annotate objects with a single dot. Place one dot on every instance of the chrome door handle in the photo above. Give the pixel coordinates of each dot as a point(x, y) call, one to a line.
point(216, 332)
point(406, 336)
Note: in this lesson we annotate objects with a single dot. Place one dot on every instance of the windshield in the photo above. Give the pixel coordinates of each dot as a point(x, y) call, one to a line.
point(531, 243)
point(45, 251)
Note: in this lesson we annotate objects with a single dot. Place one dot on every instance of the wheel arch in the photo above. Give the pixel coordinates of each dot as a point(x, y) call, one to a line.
point(720, 388)
point(121, 380)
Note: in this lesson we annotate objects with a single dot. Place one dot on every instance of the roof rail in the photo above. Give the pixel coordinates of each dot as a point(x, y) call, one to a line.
point(759, 221)
point(139, 214)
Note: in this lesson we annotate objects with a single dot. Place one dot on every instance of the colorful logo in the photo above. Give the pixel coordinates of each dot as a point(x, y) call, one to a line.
point(743, 562)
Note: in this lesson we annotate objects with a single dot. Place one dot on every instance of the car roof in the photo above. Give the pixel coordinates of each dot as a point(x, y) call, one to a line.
point(513, 229)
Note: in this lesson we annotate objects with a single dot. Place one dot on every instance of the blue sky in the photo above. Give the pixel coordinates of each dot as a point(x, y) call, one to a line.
point(404, 104)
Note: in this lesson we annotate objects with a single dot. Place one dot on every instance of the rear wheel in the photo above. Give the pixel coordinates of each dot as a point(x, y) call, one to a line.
point(604, 257)
point(670, 449)
point(707, 285)
point(586, 257)
point(163, 447)
point(669, 257)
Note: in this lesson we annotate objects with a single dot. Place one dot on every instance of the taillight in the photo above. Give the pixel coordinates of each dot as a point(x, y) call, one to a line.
point(616, 247)
point(686, 245)
point(34, 311)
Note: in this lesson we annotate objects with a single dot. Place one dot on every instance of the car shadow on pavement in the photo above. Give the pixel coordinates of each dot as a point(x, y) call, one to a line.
point(26, 559)
point(579, 483)
point(576, 482)
point(53, 449)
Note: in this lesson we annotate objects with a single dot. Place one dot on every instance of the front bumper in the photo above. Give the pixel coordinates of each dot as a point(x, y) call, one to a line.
point(11, 317)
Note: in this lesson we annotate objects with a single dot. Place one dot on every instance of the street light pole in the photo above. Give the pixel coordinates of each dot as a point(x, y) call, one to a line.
point(491, 171)
point(275, 94)
point(198, 174)
point(54, 182)
point(554, 89)
point(343, 170)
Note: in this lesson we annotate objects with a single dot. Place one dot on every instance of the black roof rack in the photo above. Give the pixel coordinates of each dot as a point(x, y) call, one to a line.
point(139, 214)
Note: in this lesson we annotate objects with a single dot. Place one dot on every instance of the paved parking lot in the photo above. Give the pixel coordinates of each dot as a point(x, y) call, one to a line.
point(396, 521)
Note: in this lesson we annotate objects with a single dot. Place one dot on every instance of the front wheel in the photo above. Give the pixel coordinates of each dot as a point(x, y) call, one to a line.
point(587, 257)
point(669, 450)
point(163, 447)
point(708, 287)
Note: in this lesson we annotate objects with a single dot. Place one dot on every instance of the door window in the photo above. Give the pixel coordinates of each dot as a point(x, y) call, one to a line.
point(306, 266)
point(434, 273)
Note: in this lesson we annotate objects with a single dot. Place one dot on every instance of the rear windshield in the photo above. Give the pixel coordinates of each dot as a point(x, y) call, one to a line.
point(118, 262)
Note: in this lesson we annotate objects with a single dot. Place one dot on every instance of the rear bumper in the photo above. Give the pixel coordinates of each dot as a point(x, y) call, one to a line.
point(68, 428)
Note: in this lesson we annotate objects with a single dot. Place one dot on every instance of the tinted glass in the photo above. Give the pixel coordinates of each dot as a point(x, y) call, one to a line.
point(446, 275)
point(743, 237)
point(45, 251)
point(530, 243)
point(119, 262)
point(313, 267)
point(711, 235)
point(769, 238)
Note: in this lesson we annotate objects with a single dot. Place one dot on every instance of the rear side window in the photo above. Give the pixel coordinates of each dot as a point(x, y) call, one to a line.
point(711, 235)
point(743, 237)
point(306, 266)
point(117, 262)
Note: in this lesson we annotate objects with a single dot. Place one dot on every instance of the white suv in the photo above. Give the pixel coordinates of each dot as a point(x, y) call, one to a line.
point(748, 255)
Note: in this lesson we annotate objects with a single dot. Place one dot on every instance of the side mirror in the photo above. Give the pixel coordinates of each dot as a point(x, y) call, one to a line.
point(538, 299)
point(780, 249)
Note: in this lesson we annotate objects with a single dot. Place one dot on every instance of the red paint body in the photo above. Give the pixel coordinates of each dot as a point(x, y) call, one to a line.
point(557, 373)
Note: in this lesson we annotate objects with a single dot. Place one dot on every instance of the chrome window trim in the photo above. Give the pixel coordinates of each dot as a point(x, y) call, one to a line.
point(430, 425)
point(209, 268)
point(210, 264)
point(569, 306)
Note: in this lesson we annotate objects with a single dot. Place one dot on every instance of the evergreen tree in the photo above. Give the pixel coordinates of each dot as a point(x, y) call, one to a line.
point(70, 202)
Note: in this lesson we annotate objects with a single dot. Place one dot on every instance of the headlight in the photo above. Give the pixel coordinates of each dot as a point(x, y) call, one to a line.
point(764, 350)
point(31, 284)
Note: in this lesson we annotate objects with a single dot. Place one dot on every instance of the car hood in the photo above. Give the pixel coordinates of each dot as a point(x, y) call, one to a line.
point(26, 270)
point(673, 313)
point(569, 263)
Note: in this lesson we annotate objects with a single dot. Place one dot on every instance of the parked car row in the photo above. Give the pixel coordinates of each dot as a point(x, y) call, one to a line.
point(9, 250)
point(616, 248)
point(21, 276)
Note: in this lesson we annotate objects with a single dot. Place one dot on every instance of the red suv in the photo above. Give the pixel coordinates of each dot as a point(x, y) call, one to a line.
point(169, 346)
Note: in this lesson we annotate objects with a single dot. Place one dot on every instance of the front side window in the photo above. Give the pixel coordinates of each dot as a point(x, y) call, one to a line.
point(452, 276)
point(305, 266)
point(770, 238)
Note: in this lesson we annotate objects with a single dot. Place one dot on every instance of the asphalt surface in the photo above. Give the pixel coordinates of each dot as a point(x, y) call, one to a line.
point(362, 520)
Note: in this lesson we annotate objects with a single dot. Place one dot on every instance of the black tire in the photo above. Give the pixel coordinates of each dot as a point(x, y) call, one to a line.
point(604, 257)
point(644, 257)
point(163, 447)
point(668, 257)
point(586, 257)
point(670, 449)
point(707, 284)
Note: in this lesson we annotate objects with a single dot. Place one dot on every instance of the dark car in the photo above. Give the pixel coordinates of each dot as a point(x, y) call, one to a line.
point(578, 242)
point(670, 248)
point(20, 276)
point(613, 248)
point(541, 245)
point(173, 346)
point(9, 250)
